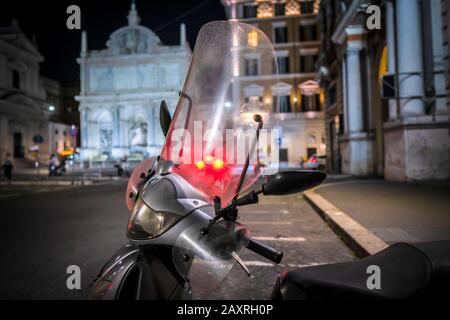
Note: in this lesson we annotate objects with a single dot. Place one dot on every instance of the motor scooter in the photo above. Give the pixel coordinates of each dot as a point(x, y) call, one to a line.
point(184, 232)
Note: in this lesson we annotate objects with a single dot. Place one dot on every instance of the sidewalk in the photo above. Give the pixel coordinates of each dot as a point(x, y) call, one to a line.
point(385, 211)
point(32, 177)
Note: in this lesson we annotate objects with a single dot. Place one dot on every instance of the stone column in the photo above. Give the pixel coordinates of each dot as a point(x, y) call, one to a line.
point(356, 146)
point(3, 138)
point(82, 62)
point(416, 145)
point(438, 57)
point(182, 34)
point(410, 63)
point(116, 128)
point(84, 125)
point(233, 10)
point(390, 39)
point(344, 96)
point(354, 90)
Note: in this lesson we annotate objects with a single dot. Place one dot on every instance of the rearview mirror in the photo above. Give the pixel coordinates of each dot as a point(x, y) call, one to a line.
point(287, 182)
point(164, 117)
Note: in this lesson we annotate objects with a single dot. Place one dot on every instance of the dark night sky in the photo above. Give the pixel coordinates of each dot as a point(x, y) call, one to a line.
point(61, 47)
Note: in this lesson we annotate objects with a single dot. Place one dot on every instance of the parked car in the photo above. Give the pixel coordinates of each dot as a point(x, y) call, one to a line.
point(315, 162)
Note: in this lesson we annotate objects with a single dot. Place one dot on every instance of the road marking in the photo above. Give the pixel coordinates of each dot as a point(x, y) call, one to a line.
point(259, 264)
point(265, 211)
point(9, 195)
point(293, 239)
point(268, 222)
point(292, 265)
point(256, 263)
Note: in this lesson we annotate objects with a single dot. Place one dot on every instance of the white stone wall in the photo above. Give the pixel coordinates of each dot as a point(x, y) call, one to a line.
point(122, 88)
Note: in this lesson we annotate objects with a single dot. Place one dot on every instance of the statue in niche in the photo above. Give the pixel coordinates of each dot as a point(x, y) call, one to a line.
point(132, 39)
point(105, 138)
point(138, 134)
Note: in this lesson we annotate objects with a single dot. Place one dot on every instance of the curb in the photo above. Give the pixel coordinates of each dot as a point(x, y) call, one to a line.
point(359, 239)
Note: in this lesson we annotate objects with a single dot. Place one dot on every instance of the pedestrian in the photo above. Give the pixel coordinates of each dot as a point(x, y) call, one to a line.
point(53, 166)
point(8, 166)
point(62, 165)
point(124, 164)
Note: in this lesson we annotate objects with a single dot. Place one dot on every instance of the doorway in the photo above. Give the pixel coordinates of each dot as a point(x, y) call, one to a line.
point(19, 150)
point(311, 152)
point(334, 153)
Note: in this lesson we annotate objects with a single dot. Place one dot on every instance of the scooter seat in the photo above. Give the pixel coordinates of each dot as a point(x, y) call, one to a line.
point(404, 272)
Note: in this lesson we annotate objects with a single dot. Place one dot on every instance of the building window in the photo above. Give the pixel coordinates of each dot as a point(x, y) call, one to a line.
point(253, 95)
point(251, 66)
point(292, 8)
point(310, 103)
point(275, 66)
point(253, 101)
point(307, 6)
point(16, 79)
point(281, 93)
point(308, 63)
point(249, 11)
point(331, 95)
point(310, 95)
point(280, 34)
point(284, 104)
point(308, 33)
point(265, 10)
point(283, 64)
point(280, 9)
point(252, 38)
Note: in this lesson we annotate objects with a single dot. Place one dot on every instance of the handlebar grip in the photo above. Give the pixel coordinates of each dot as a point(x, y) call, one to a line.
point(265, 251)
point(249, 198)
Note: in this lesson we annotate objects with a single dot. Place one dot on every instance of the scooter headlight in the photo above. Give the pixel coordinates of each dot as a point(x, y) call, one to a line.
point(146, 223)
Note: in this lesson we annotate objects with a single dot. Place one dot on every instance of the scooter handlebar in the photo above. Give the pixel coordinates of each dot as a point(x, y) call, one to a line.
point(265, 251)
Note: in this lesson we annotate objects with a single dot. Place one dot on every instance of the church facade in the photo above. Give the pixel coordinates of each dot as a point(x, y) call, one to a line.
point(121, 90)
point(29, 130)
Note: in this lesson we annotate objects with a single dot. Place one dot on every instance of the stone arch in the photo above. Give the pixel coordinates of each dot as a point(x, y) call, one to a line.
point(132, 40)
point(18, 73)
point(311, 139)
point(312, 144)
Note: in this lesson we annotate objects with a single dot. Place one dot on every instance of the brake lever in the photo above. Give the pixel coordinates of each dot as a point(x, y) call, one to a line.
point(241, 263)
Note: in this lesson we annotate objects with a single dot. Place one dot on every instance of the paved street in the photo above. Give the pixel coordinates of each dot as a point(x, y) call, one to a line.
point(44, 232)
point(290, 224)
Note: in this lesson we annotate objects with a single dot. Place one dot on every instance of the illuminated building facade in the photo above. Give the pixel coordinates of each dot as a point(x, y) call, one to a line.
point(386, 89)
point(29, 130)
point(292, 28)
point(121, 90)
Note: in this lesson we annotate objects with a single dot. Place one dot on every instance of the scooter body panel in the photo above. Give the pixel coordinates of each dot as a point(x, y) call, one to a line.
point(139, 273)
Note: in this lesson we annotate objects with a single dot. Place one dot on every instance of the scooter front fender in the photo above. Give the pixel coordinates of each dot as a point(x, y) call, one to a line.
point(110, 278)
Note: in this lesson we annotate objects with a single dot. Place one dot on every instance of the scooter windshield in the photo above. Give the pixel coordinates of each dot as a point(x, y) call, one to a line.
point(227, 95)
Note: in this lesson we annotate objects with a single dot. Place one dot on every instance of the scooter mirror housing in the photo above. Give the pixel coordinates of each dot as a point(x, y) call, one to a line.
point(287, 182)
point(164, 117)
